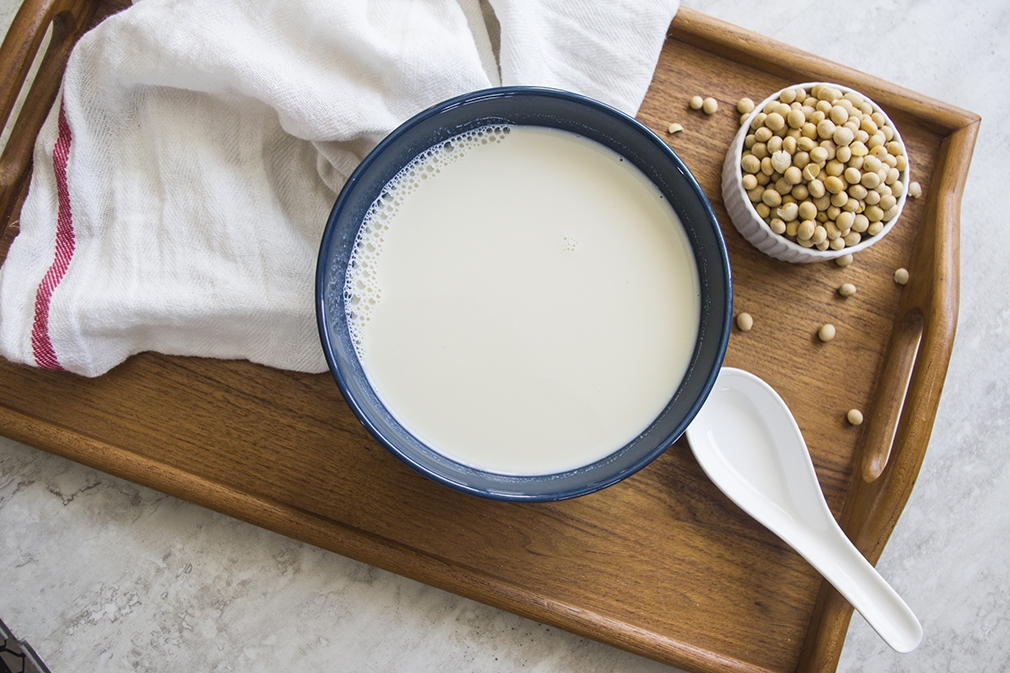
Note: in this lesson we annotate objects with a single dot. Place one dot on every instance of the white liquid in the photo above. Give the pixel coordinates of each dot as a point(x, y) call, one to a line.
point(525, 302)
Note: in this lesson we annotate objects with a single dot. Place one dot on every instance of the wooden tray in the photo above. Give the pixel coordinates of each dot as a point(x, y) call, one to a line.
point(661, 564)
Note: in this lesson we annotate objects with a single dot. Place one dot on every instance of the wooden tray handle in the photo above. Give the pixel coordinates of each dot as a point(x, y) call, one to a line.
point(892, 393)
point(69, 20)
point(918, 355)
point(919, 351)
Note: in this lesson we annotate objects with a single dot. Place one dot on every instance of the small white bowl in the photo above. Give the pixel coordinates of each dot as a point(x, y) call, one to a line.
point(746, 219)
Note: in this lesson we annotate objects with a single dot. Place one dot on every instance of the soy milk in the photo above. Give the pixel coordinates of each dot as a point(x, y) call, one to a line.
point(523, 300)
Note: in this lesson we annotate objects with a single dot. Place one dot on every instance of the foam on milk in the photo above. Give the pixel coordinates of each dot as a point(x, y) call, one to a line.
point(361, 286)
point(522, 300)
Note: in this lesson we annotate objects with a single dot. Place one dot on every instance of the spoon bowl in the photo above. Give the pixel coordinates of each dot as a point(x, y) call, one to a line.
point(747, 442)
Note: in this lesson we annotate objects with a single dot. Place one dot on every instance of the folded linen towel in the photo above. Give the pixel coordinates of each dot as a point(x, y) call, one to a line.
point(183, 179)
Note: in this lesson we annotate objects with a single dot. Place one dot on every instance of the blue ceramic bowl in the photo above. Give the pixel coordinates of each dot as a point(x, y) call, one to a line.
point(590, 119)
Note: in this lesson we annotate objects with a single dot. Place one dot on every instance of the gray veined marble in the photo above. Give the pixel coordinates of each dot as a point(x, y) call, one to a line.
point(100, 574)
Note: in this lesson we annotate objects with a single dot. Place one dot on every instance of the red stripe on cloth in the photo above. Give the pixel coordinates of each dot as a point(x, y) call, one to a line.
point(42, 345)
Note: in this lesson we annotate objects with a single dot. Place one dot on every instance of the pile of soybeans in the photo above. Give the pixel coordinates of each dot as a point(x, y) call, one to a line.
point(823, 168)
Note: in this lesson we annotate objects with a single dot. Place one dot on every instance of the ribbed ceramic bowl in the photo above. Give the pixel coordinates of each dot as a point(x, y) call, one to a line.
point(545, 108)
point(750, 224)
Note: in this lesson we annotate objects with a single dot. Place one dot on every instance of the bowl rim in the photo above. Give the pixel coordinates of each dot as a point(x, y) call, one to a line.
point(723, 276)
point(796, 251)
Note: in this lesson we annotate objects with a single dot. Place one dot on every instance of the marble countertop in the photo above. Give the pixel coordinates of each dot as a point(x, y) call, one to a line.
point(101, 574)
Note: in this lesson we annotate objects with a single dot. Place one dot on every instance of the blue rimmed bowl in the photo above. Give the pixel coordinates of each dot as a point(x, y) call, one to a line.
point(519, 106)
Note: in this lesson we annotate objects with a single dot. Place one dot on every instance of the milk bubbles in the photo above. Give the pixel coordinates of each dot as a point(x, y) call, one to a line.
point(362, 289)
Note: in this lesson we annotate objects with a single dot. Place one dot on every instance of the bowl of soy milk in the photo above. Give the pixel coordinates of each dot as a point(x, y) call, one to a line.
point(523, 294)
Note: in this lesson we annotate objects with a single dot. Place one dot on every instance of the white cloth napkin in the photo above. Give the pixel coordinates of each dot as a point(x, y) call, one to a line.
point(182, 182)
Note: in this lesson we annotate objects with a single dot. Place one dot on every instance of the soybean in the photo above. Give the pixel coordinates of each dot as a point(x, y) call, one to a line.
point(781, 160)
point(774, 121)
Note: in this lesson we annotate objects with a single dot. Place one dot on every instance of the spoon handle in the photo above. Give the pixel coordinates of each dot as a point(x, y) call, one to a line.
point(839, 562)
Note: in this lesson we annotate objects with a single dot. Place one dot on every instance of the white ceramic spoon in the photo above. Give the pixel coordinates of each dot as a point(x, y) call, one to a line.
point(748, 443)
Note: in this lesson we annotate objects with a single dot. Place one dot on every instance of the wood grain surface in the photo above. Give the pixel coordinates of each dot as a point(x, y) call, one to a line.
point(661, 564)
